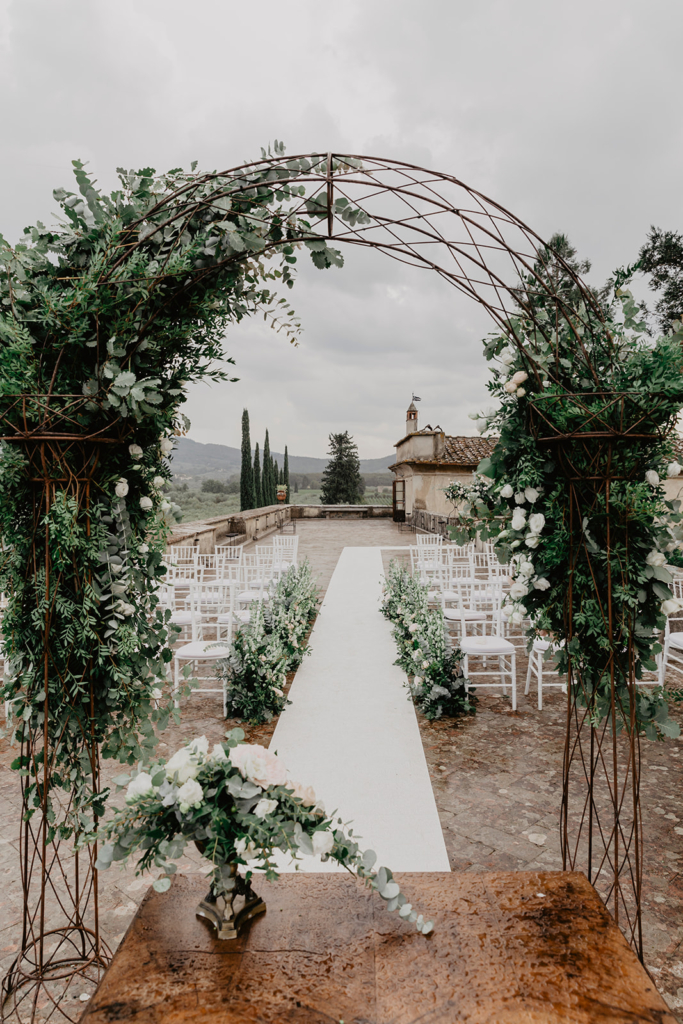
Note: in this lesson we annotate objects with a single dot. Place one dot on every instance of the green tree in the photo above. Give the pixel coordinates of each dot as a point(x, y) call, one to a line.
point(285, 472)
point(267, 472)
point(342, 482)
point(258, 486)
point(662, 258)
point(246, 472)
point(214, 487)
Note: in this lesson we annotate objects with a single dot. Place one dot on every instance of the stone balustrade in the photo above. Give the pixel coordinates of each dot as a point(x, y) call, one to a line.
point(257, 523)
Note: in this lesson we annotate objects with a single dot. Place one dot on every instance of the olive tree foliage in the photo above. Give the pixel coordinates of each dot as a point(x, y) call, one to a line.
point(123, 304)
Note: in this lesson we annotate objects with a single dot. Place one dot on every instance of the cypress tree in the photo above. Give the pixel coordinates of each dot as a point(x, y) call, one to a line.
point(342, 482)
point(276, 477)
point(246, 471)
point(266, 479)
point(258, 492)
point(285, 474)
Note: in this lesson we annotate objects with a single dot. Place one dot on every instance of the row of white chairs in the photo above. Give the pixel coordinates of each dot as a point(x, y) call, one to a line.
point(219, 592)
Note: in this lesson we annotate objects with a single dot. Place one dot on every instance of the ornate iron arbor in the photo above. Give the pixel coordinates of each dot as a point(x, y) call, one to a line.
point(434, 222)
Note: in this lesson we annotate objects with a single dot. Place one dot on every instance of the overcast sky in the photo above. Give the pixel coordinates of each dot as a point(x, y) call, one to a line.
point(568, 114)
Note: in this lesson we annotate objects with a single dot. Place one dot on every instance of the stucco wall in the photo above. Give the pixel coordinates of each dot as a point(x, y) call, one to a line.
point(425, 485)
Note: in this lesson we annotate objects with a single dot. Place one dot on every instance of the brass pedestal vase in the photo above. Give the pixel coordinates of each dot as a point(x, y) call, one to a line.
point(230, 902)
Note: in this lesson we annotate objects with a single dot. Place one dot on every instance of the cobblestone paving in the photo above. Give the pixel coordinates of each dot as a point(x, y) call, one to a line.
point(497, 783)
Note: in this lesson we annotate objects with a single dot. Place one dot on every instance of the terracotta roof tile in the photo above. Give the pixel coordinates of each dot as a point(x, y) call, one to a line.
point(466, 452)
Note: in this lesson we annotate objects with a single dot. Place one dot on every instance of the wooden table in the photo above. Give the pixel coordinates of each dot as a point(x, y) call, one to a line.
point(508, 947)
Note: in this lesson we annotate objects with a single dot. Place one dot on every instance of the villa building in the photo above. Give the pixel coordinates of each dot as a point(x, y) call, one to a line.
point(427, 461)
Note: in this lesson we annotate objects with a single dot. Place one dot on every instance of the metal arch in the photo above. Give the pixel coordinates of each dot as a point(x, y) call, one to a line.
point(432, 221)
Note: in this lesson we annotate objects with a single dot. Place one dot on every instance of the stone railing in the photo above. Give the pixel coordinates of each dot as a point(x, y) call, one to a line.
point(245, 527)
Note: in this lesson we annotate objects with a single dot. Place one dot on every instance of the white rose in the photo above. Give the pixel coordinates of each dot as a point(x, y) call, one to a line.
point(673, 469)
point(536, 522)
point(246, 850)
point(259, 765)
point(532, 541)
point(135, 451)
point(519, 378)
point(668, 608)
point(218, 753)
point(531, 494)
point(277, 690)
point(139, 786)
point(526, 568)
point(520, 498)
point(413, 627)
point(656, 558)
point(517, 618)
point(166, 445)
point(126, 609)
point(322, 843)
point(652, 478)
point(542, 583)
point(200, 745)
point(417, 680)
point(483, 426)
point(507, 357)
point(520, 392)
point(165, 505)
point(121, 488)
point(518, 590)
point(509, 387)
point(506, 492)
point(304, 793)
point(425, 664)
point(143, 549)
point(518, 519)
point(190, 794)
point(156, 693)
point(158, 482)
point(146, 503)
point(182, 765)
point(264, 807)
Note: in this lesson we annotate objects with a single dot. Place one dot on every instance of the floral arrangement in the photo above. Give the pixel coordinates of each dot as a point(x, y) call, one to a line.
point(551, 385)
point(272, 644)
point(437, 684)
point(237, 803)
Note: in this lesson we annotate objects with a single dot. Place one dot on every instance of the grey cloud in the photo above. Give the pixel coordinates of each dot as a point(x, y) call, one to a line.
point(567, 114)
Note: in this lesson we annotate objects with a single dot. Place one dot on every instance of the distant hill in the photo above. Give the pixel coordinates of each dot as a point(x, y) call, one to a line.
point(191, 458)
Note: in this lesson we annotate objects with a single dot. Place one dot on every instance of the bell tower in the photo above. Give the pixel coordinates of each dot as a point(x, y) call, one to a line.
point(411, 419)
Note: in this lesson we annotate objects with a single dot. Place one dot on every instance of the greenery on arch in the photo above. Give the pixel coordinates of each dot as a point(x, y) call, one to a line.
point(561, 506)
point(105, 320)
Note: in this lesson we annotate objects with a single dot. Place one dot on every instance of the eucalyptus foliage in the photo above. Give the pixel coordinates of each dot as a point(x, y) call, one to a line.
point(238, 804)
point(105, 320)
point(437, 683)
point(572, 494)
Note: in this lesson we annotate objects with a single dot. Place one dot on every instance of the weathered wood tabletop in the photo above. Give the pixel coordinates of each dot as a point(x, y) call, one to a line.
point(508, 947)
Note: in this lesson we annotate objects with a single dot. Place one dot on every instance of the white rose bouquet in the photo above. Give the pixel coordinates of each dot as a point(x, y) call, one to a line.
point(238, 805)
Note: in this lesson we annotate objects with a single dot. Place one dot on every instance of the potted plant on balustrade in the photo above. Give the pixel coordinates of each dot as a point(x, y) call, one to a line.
point(239, 806)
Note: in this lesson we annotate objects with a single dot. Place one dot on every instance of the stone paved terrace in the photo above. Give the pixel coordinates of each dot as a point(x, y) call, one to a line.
point(496, 779)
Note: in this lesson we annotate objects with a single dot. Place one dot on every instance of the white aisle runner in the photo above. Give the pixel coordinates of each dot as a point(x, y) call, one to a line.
point(351, 731)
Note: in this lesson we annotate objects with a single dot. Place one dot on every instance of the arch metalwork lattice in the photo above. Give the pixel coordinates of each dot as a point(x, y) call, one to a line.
point(434, 222)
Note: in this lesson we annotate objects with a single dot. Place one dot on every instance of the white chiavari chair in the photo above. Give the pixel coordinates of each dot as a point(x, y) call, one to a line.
point(286, 550)
point(540, 668)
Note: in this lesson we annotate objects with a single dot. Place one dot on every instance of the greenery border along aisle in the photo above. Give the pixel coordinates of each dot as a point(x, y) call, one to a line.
point(272, 644)
point(437, 684)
